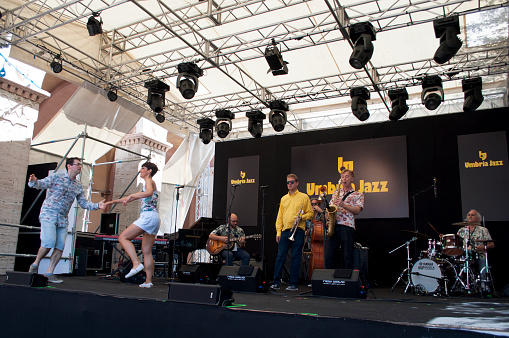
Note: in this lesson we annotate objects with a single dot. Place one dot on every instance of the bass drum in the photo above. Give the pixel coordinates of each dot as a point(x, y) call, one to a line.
point(429, 275)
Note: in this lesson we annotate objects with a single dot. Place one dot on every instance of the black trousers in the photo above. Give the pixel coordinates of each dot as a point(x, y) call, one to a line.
point(344, 236)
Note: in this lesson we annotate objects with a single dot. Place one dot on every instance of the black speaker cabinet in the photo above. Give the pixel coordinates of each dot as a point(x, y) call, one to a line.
point(80, 262)
point(199, 294)
point(109, 223)
point(25, 278)
point(244, 278)
point(505, 290)
point(344, 283)
point(202, 273)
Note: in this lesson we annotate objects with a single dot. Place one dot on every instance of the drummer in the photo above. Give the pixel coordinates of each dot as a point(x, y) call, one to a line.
point(478, 235)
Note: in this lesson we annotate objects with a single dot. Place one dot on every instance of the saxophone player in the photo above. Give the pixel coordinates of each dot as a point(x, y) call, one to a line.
point(294, 210)
point(349, 203)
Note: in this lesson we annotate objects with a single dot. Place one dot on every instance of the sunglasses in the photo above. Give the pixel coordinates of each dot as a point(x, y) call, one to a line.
point(313, 204)
point(290, 182)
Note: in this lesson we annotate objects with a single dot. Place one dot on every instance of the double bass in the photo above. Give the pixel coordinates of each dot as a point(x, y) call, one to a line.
point(317, 255)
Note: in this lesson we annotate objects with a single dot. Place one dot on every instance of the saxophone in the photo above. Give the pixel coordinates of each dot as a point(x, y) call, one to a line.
point(296, 223)
point(331, 211)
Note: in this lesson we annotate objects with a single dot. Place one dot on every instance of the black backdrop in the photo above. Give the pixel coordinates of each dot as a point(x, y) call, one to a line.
point(432, 152)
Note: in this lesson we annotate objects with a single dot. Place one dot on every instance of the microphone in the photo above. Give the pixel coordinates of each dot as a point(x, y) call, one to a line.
point(435, 186)
point(264, 187)
point(236, 185)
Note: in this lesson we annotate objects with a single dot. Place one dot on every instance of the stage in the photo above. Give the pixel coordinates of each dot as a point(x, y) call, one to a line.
point(98, 306)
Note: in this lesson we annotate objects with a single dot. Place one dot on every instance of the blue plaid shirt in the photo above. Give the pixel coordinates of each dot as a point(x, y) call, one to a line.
point(60, 194)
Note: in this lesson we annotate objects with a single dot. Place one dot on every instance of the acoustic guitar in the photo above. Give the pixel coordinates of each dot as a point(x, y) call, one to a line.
point(214, 247)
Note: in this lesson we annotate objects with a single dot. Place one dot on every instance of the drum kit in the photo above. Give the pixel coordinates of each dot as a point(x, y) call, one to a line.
point(447, 267)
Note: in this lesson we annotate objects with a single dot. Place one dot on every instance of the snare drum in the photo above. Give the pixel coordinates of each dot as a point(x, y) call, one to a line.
point(429, 274)
point(452, 245)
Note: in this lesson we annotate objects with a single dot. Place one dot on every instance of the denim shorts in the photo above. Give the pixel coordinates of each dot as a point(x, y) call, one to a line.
point(52, 236)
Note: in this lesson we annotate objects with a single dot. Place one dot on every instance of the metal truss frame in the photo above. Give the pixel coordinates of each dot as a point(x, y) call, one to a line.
point(187, 29)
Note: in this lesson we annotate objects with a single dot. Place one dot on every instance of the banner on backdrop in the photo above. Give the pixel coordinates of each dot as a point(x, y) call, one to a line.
point(484, 174)
point(380, 167)
point(243, 185)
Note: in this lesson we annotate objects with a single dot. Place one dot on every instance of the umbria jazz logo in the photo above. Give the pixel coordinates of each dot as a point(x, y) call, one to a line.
point(484, 162)
point(242, 179)
point(313, 188)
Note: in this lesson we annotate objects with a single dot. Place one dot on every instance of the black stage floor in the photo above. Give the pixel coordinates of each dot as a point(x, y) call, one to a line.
point(468, 314)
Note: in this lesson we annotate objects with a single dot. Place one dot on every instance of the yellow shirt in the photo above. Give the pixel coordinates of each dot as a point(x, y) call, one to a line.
point(289, 208)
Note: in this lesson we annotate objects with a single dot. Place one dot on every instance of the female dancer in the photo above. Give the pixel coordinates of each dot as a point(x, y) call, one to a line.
point(147, 224)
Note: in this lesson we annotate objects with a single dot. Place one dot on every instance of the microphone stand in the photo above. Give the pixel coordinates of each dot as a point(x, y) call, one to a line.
point(234, 186)
point(264, 190)
point(414, 216)
point(175, 234)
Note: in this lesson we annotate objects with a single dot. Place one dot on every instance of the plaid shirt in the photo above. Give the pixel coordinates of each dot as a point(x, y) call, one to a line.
point(60, 195)
point(222, 230)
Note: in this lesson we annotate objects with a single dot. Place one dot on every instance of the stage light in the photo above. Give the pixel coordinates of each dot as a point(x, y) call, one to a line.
point(255, 124)
point(56, 64)
point(160, 117)
point(206, 132)
point(447, 30)
point(398, 100)
point(275, 59)
point(361, 34)
point(94, 26)
point(187, 80)
point(359, 96)
point(277, 115)
point(224, 122)
point(472, 88)
point(432, 93)
point(112, 94)
point(155, 95)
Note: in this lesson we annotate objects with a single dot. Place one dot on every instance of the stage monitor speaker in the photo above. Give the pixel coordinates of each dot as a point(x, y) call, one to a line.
point(198, 273)
point(199, 294)
point(505, 290)
point(343, 283)
point(109, 223)
point(244, 278)
point(25, 278)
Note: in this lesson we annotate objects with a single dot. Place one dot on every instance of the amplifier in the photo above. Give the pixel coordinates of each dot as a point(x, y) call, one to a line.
point(344, 283)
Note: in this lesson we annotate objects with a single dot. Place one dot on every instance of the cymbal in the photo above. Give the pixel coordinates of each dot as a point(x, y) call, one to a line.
point(462, 224)
point(416, 234)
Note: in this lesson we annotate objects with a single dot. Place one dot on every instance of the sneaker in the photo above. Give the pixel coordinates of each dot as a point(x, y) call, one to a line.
point(274, 287)
point(33, 268)
point(53, 279)
point(135, 271)
point(146, 285)
point(292, 288)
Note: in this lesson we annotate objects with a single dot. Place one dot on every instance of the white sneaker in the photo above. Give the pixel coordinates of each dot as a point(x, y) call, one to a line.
point(135, 271)
point(146, 285)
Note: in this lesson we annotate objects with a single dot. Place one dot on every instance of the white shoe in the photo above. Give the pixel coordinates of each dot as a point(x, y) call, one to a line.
point(135, 271)
point(146, 285)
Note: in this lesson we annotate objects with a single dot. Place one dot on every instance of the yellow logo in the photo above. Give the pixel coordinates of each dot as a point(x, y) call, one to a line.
point(483, 162)
point(243, 179)
point(242, 174)
point(364, 186)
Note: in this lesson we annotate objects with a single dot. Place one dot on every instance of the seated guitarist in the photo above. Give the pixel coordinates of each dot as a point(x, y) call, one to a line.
point(238, 238)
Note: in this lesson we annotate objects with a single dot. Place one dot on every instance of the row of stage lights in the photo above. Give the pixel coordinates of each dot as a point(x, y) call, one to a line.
point(223, 123)
point(431, 96)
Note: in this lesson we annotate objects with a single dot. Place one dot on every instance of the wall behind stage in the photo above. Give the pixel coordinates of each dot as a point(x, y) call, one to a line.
point(432, 151)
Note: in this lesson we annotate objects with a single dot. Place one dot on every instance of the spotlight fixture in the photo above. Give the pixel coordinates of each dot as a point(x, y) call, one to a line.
point(160, 117)
point(432, 93)
point(155, 95)
point(206, 126)
point(359, 96)
point(56, 64)
point(472, 88)
point(275, 59)
point(277, 115)
point(224, 122)
point(447, 30)
point(361, 34)
point(190, 73)
point(94, 25)
point(255, 124)
point(112, 94)
point(398, 98)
